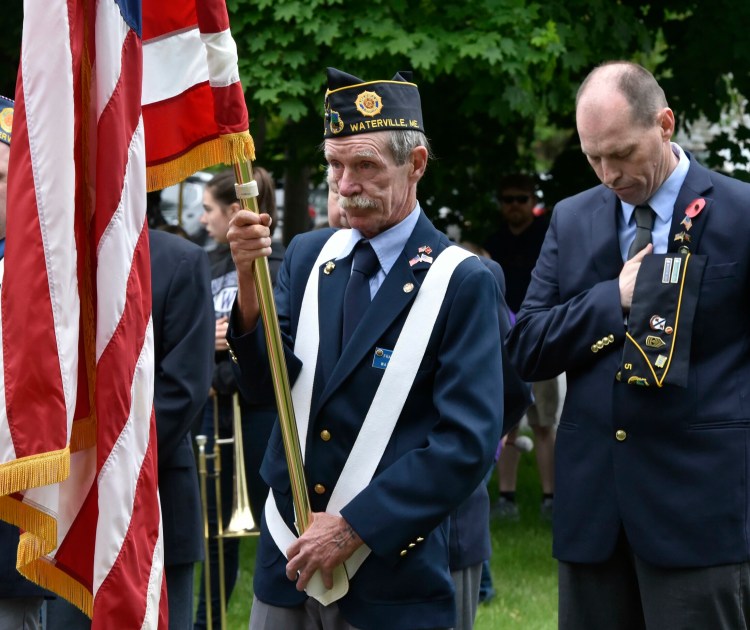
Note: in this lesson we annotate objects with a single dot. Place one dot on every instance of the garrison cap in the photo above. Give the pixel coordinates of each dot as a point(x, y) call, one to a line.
point(6, 119)
point(660, 323)
point(355, 106)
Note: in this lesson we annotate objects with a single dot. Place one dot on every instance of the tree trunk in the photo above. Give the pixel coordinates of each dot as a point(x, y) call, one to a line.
point(296, 192)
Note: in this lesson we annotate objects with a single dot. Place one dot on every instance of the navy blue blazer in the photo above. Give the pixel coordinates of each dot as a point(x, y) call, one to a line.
point(12, 583)
point(184, 331)
point(679, 481)
point(470, 541)
point(441, 447)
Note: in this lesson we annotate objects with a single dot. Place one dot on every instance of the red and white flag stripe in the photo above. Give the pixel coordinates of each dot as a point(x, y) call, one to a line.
point(78, 466)
point(193, 105)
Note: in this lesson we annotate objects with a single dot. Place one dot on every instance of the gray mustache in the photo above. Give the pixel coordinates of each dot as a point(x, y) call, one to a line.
point(357, 202)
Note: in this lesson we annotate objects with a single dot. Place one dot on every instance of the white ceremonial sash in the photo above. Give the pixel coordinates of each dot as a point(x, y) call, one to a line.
point(384, 410)
point(307, 339)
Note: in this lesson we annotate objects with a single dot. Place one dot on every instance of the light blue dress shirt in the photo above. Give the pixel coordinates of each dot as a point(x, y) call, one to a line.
point(388, 246)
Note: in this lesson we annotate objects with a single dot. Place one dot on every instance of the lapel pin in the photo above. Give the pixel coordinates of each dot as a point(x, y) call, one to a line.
point(652, 341)
point(423, 256)
point(330, 266)
point(657, 322)
point(408, 287)
point(694, 208)
point(638, 380)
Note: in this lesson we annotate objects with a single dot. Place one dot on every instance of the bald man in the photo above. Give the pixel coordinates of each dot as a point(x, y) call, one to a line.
point(641, 296)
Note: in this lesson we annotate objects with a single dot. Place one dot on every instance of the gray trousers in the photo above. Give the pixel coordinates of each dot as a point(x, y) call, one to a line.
point(20, 613)
point(466, 582)
point(62, 615)
point(310, 616)
point(627, 593)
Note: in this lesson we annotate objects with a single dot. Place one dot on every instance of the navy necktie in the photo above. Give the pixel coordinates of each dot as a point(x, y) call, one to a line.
point(644, 221)
point(357, 295)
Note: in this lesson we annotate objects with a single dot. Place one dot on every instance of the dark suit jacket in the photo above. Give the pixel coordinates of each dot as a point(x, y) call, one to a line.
point(184, 333)
point(441, 447)
point(679, 482)
point(12, 583)
point(470, 541)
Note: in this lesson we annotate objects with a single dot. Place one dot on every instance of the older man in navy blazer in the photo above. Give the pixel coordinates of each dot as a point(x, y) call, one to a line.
point(445, 431)
point(652, 507)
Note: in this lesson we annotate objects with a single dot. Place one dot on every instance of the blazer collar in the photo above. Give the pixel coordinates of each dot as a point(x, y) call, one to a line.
point(606, 245)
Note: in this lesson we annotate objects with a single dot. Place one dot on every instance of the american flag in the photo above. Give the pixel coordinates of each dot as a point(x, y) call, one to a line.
point(78, 468)
point(78, 439)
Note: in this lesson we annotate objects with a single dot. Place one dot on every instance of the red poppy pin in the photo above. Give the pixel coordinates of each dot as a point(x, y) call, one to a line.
point(694, 207)
point(693, 210)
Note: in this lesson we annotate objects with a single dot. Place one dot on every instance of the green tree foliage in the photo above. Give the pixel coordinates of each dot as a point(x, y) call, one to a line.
point(705, 69)
point(488, 72)
point(496, 76)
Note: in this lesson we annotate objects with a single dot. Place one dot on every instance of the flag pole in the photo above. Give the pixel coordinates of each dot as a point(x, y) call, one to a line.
point(247, 192)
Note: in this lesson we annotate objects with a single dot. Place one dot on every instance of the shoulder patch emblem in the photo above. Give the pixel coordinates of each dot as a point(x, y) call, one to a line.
point(335, 122)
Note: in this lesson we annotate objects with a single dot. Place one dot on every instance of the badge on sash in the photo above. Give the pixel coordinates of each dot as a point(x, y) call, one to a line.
point(660, 324)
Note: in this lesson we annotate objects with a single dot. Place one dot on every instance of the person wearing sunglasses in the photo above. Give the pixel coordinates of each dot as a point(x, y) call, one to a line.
point(516, 245)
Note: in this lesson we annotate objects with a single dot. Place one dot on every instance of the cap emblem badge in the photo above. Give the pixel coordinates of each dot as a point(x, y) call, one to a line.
point(369, 103)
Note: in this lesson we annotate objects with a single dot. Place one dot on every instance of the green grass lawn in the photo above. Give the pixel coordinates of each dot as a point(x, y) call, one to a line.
point(523, 571)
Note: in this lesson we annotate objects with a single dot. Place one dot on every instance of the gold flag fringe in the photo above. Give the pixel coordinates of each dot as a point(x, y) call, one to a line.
point(31, 519)
point(34, 471)
point(227, 149)
point(38, 540)
point(43, 572)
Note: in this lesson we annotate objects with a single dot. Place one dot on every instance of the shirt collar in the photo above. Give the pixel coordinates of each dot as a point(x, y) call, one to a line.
point(388, 245)
point(664, 199)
